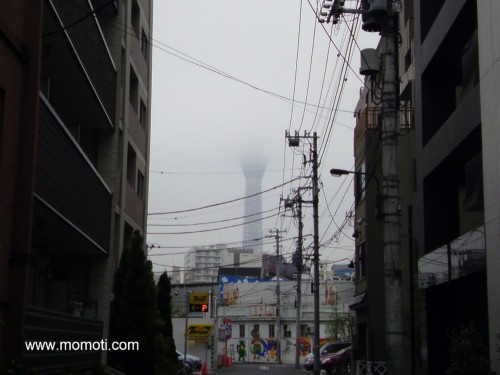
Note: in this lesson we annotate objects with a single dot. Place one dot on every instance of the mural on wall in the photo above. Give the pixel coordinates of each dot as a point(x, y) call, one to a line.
point(257, 349)
point(264, 349)
point(305, 346)
point(231, 295)
point(289, 347)
point(330, 293)
point(241, 349)
point(229, 290)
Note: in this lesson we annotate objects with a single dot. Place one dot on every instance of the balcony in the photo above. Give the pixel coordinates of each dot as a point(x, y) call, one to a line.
point(371, 117)
point(49, 326)
point(73, 205)
point(78, 73)
point(460, 257)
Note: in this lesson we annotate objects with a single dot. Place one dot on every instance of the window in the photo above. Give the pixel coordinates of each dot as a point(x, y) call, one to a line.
point(140, 184)
point(131, 166)
point(359, 183)
point(305, 330)
point(143, 114)
point(287, 332)
point(144, 45)
point(136, 17)
point(271, 330)
point(133, 89)
point(2, 95)
point(255, 331)
point(242, 330)
point(361, 264)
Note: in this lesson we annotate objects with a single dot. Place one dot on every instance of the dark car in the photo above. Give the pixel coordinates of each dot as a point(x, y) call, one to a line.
point(326, 350)
point(184, 368)
point(338, 363)
point(194, 362)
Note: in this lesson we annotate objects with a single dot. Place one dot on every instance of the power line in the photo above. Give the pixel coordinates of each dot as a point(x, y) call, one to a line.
point(215, 229)
point(222, 203)
point(211, 222)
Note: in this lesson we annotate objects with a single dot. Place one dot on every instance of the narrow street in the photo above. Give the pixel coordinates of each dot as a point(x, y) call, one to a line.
point(261, 368)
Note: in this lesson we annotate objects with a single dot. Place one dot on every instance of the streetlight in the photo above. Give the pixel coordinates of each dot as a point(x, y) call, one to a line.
point(378, 197)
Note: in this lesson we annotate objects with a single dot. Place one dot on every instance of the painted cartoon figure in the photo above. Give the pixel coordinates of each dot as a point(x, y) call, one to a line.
point(242, 351)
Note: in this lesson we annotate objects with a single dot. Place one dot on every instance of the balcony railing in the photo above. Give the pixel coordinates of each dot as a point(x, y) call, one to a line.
point(371, 368)
point(372, 117)
point(68, 183)
point(90, 48)
point(46, 326)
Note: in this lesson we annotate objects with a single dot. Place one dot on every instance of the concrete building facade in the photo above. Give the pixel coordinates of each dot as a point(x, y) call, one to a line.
point(456, 81)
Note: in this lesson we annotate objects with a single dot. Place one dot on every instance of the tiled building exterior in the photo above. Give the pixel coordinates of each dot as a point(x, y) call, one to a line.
point(75, 93)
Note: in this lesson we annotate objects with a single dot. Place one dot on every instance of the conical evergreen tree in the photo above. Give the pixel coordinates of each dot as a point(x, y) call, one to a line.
point(164, 300)
point(135, 316)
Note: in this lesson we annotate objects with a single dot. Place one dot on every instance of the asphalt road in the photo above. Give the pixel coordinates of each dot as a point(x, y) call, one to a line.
point(261, 369)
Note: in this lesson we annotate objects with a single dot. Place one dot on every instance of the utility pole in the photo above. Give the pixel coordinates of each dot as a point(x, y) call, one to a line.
point(297, 262)
point(382, 16)
point(390, 191)
point(316, 253)
point(299, 280)
point(294, 141)
point(277, 237)
point(278, 299)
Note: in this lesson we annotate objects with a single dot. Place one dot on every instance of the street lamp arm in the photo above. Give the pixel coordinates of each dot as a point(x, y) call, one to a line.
point(378, 198)
point(342, 172)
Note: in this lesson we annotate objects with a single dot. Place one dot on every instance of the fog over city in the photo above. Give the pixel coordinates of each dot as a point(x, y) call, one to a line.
point(229, 78)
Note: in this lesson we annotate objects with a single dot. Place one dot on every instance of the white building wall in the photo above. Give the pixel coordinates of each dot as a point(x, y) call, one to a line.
point(489, 68)
point(250, 304)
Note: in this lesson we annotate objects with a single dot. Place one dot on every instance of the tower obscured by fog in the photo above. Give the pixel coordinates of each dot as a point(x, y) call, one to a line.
point(253, 168)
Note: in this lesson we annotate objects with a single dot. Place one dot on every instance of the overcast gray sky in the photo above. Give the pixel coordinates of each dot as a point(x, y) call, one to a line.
point(229, 78)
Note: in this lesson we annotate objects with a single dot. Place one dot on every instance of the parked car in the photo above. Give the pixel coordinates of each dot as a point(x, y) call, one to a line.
point(338, 363)
point(184, 368)
point(194, 362)
point(326, 350)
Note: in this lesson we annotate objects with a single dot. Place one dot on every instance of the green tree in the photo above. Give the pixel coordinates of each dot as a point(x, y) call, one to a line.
point(135, 316)
point(164, 301)
point(338, 327)
point(468, 352)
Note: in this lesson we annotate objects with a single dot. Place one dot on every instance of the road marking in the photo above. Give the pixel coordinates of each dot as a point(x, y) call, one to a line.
point(264, 368)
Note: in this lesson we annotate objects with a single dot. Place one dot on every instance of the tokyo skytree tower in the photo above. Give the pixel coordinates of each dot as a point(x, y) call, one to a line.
point(253, 168)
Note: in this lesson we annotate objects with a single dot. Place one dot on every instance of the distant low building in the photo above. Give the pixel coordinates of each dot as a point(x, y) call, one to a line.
point(248, 306)
point(202, 262)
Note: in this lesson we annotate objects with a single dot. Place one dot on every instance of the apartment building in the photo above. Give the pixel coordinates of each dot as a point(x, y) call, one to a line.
point(448, 72)
point(78, 104)
point(456, 99)
point(202, 262)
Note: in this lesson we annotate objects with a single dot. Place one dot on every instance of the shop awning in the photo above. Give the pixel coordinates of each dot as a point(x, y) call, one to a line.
point(358, 301)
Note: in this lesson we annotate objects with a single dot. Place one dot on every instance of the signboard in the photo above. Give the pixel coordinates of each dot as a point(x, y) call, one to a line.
point(228, 329)
point(198, 302)
point(199, 330)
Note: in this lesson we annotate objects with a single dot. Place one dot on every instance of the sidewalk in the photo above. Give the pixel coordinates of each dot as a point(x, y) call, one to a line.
point(264, 368)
